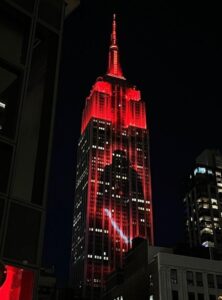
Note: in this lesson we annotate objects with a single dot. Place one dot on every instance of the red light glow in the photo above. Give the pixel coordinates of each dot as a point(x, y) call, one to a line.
point(18, 284)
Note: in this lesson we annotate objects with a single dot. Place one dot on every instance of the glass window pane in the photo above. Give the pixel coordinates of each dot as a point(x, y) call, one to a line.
point(199, 279)
point(14, 31)
point(191, 296)
point(18, 284)
point(175, 295)
point(219, 281)
point(1, 215)
point(26, 4)
point(35, 125)
point(190, 278)
point(5, 163)
point(173, 276)
point(200, 296)
point(210, 280)
point(50, 11)
point(22, 237)
point(9, 86)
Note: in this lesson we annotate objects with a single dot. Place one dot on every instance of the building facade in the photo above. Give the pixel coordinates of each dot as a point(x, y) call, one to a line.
point(157, 273)
point(203, 201)
point(177, 277)
point(113, 185)
point(30, 39)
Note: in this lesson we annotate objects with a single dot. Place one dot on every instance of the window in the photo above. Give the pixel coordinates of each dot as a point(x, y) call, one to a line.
point(200, 296)
point(5, 163)
point(173, 276)
point(219, 281)
point(175, 295)
point(151, 280)
point(14, 31)
point(191, 296)
point(199, 279)
point(26, 4)
point(190, 278)
point(210, 280)
point(50, 11)
point(200, 170)
point(2, 204)
point(24, 224)
point(212, 297)
point(8, 101)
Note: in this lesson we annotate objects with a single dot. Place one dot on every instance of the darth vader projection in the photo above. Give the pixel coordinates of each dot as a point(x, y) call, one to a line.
point(117, 204)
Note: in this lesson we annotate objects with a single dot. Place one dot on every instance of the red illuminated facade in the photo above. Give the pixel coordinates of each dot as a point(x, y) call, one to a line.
point(113, 185)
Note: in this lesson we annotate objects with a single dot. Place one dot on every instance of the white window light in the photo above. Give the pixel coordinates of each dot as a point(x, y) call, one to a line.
point(208, 244)
point(3, 105)
point(213, 201)
point(200, 170)
point(214, 206)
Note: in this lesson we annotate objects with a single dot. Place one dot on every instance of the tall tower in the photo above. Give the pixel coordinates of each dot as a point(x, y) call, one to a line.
point(203, 201)
point(113, 184)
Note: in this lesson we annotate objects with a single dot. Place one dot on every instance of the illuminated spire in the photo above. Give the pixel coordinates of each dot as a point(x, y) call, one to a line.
point(114, 68)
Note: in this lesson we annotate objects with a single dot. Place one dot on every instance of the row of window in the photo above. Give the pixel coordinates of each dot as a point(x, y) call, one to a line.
point(192, 296)
point(199, 279)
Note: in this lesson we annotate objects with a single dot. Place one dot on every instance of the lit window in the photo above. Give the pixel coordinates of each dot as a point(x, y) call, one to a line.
point(2, 105)
point(206, 230)
point(214, 206)
point(206, 206)
point(200, 170)
point(208, 244)
point(214, 201)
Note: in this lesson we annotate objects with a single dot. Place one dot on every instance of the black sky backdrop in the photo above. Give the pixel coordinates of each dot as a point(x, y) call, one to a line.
point(173, 54)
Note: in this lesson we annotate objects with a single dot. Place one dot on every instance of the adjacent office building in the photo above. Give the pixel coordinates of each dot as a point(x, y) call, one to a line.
point(203, 201)
point(30, 39)
point(157, 273)
point(113, 186)
point(178, 277)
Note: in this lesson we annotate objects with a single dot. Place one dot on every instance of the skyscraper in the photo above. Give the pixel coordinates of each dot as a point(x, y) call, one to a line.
point(203, 201)
point(113, 184)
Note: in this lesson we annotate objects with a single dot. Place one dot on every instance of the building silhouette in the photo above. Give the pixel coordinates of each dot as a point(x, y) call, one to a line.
point(113, 185)
point(203, 201)
point(30, 33)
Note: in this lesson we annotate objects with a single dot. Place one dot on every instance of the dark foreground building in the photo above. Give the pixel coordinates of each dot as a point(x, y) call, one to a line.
point(113, 186)
point(30, 39)
point(203, 201)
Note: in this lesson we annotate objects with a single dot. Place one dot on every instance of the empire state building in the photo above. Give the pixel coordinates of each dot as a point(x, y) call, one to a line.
point(113, 184)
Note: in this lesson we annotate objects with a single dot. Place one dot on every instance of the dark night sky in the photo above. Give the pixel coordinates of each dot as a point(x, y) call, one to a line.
point(173, 53)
